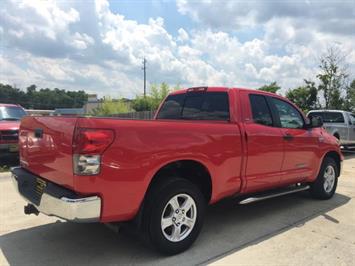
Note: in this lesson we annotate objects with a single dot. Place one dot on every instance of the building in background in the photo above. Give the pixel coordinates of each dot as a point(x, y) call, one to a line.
point(69, 111)
point(92, 103)
point(35, 112)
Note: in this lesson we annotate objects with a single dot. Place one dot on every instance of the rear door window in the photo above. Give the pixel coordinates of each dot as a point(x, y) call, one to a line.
point(196, 106)
point(260, 110)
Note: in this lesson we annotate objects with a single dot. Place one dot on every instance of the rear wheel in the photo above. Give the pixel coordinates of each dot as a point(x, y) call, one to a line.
point(326, 183)
point(173, 215)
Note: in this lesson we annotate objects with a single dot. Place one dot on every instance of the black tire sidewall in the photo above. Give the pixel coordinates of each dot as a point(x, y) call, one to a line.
point(317, 188)
point(156, 206)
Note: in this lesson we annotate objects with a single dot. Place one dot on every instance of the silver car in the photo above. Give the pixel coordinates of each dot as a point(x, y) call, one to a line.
point(340, 124)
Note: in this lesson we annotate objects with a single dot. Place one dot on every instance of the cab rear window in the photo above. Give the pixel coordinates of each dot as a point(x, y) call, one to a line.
point(196, 106)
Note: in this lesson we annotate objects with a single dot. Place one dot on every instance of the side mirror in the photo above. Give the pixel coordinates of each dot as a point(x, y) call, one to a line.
point(314, 122)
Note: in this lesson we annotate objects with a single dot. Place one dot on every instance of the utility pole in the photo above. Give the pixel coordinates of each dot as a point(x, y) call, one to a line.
point(144, 71)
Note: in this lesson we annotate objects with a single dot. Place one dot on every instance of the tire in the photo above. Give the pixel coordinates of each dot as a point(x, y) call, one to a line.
point(165, 203)
point(326, 183)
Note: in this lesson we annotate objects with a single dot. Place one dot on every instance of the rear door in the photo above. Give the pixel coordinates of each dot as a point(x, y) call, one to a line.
point(300, 144)
point(264, 143)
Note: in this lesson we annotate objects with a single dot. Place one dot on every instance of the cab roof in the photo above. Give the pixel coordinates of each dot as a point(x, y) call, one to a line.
point(219, 89)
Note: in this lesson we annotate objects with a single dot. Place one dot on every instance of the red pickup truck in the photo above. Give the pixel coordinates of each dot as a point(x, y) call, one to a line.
point(205, 144)
point(10, 116)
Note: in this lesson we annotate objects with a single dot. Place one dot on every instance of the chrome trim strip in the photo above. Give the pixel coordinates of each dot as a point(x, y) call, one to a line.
point(256, 198)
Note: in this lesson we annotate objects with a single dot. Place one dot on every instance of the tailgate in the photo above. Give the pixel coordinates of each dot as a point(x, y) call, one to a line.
point(46, 148)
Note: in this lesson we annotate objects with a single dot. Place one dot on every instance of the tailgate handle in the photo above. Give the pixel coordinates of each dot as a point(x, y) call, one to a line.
point(38, 133)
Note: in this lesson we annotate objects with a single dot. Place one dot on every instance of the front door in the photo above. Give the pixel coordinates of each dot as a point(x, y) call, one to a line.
point(300, 144)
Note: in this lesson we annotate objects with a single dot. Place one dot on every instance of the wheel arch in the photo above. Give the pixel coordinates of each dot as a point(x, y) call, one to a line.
point(192, 170)
point(337, 158)
point(204, 180)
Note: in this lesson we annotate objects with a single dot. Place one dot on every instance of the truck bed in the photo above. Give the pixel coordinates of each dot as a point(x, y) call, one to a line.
point(139, 149)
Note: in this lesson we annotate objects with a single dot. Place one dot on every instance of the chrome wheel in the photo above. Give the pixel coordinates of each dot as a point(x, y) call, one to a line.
point(179, 217)
point(329, 178)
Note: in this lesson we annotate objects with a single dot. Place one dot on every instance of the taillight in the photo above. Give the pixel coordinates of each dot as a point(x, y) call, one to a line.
point(88, 147)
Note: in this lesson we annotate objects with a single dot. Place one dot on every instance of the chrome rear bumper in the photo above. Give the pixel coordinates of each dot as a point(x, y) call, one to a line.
point(85, 209)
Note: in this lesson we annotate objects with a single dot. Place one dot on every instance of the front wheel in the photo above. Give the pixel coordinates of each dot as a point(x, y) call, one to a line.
point(174, 215)
point(326, 183)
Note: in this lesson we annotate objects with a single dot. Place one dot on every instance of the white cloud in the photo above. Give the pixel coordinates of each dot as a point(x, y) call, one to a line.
point(75, 45)
point(326, 16)
point(43, 17)
point(82, 41)
point(183, 35)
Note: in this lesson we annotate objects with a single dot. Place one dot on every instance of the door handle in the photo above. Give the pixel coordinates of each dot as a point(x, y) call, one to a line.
point(288, 137)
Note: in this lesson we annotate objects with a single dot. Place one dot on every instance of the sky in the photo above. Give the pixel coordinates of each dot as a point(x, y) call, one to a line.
point(98, 46)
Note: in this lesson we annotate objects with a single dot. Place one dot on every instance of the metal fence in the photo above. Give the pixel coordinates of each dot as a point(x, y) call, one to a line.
point(144, 115)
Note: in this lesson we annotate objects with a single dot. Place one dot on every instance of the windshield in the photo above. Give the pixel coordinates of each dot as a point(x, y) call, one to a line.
point(11, 113)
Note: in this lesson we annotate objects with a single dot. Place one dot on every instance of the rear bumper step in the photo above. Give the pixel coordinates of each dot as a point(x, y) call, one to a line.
point(273, 194)
point(54, 200)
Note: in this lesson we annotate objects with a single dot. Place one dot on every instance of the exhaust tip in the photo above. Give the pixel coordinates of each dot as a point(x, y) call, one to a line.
point(30, 209)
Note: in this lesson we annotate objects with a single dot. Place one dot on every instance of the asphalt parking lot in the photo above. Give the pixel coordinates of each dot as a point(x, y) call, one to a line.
point(292, 230)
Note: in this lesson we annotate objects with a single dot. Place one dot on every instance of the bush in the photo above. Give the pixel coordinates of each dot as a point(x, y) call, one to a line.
point(152, 101)
point(111, 107)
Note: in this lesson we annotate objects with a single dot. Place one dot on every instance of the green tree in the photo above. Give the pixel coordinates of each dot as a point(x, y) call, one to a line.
point(349, 104)
point(158, 94)
point(153, 99)
point(141, 103)
point(42, 98)
point(332, 78)
point(305, 97)
point(9, 94)
point(31, 89)
point(110, 107)
point(272, 87)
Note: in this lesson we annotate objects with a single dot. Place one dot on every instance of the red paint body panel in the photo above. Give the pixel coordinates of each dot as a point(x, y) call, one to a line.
point(241, 156)
point(141, 148)
point(51, 155)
